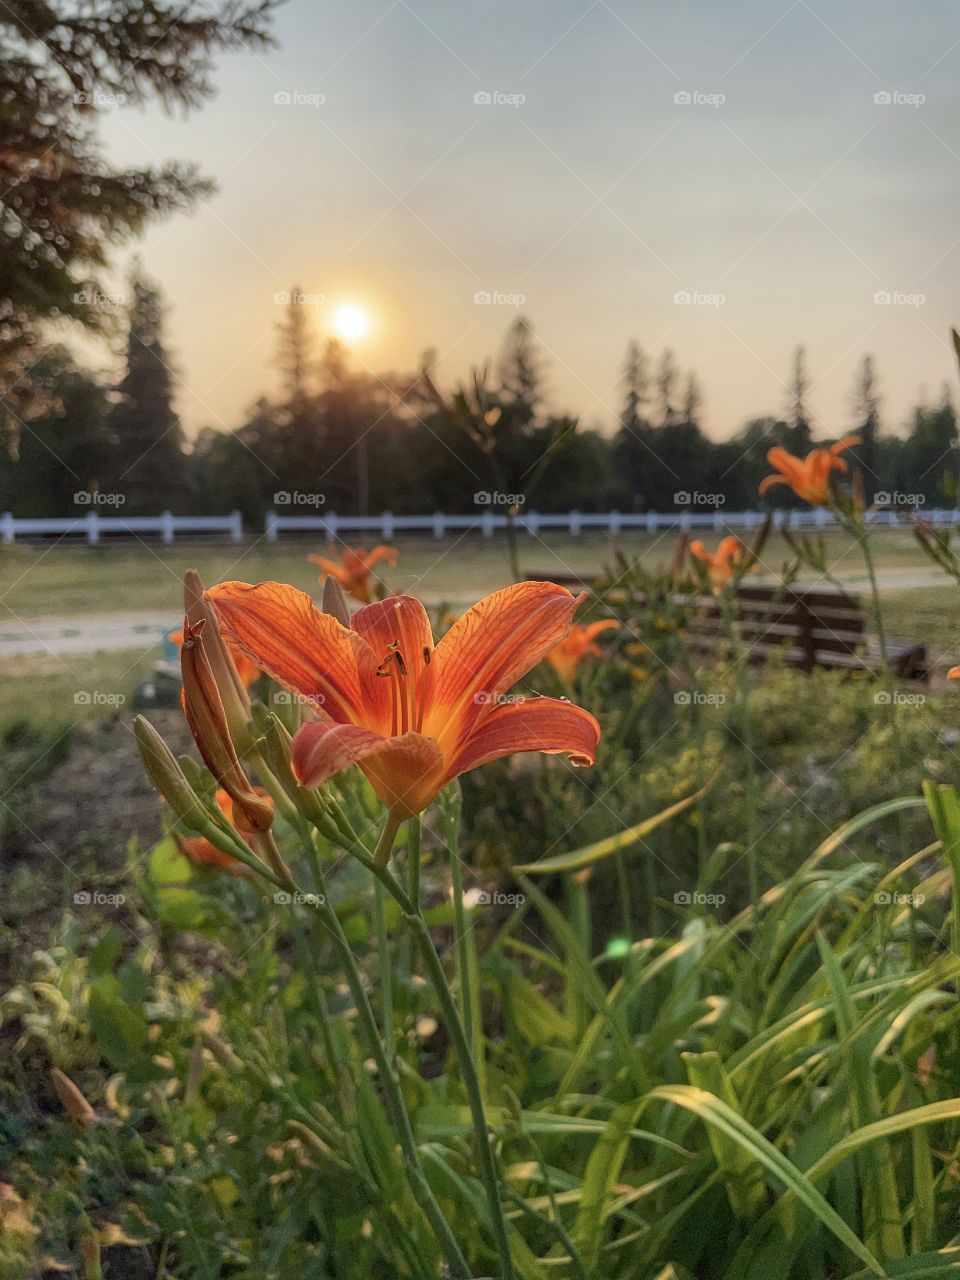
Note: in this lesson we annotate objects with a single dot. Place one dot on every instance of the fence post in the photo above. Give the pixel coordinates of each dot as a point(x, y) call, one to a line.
point(270, 528)
point(236, 526)
point(685, 522)
point(7, 527)
point(615, 523)
point(386, 524)
point(486, 524)
point(166, 527)
point(331, 525)
point(93, 529)
point(652, 522)
point(439, 524)
point(574, 523)
point(717, 519)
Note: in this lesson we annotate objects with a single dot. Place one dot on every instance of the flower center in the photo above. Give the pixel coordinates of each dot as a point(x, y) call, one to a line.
point(406, 710)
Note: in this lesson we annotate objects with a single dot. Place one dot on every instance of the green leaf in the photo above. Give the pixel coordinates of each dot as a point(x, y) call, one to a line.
point(592, 853)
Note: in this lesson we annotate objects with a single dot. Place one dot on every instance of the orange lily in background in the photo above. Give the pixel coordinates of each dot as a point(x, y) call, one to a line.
point(202, 853)
point(353, 570)
point(412, 715)
point(722, 562)
point(953, 673)
point(808, 477)
point(566, 657)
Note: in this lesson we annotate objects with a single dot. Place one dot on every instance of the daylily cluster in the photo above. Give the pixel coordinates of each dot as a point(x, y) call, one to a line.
point(412, 714)
point(353, 572)
point(810, 477)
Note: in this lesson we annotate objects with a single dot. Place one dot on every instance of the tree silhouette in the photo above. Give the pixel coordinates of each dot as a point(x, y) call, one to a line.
point(148, 461)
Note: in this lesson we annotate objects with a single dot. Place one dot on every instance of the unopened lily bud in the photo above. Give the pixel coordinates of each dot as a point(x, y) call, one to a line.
point(335, 602)
point(167, 776)
point(233, 691)
point(74, 1103)
point(275, 745)
point(208, 724)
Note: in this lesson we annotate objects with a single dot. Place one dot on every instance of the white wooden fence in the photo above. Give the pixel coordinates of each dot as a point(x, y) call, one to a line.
point(487, 523)
point(92, 526)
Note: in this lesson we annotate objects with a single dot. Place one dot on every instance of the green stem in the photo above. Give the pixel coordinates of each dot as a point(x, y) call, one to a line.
point(469, 999)
point(455, 1028)
point(386, 973)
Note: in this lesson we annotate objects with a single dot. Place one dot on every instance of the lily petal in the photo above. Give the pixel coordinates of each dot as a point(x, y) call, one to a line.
point(301, 648)
point(406, 771)
point(531, 724)
point(489, 648)
point(399, 621)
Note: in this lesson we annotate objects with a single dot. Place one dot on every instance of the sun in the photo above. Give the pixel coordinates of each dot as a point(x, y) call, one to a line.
point(350, 322)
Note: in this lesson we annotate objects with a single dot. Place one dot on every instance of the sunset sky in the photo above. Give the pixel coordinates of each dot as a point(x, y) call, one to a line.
point(783, 197)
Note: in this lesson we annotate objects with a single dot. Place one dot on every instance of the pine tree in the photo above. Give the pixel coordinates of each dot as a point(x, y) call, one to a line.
point(866, 418)
point(666, 389)
point(801, 436)
point(295, 358)
point(521, 368)
point(64, 206)
point(636, 384)
point(148, 461)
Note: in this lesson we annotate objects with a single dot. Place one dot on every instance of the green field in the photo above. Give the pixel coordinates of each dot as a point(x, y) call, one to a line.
point(59, 580)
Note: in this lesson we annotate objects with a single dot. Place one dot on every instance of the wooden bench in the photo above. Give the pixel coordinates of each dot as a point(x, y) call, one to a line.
point(815, 628)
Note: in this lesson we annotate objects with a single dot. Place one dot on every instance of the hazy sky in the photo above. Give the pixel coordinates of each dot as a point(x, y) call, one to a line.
point(782, 197)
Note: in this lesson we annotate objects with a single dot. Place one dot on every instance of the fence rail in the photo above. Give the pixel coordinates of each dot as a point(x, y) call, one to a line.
point(92, 527)
point(487, 523)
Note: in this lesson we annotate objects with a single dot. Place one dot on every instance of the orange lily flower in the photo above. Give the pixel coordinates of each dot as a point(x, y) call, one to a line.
point(202, 853)
point(953, 673)
point(566, 657)
point(722, 562)
point(808, 477)
point(247, 671)
point(411, 715)
point(354, 568)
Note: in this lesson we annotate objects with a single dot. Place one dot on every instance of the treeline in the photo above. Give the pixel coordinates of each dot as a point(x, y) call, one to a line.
point(339, 439)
